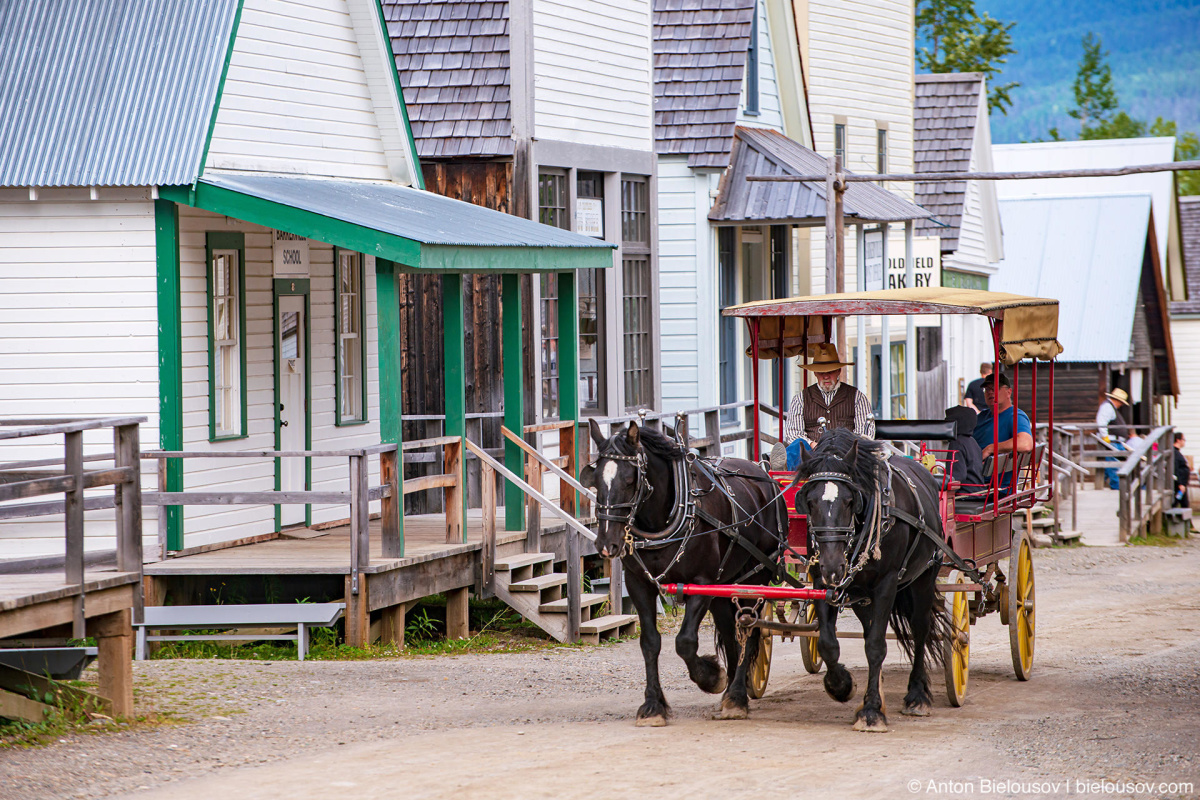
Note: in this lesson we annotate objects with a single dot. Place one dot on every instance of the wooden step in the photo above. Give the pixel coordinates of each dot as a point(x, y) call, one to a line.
point(524, 560)
point(560, 606)
point(540, 582)
point(606, 623)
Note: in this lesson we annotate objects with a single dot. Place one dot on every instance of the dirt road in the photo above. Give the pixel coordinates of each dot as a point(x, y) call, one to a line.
point(1113, 698)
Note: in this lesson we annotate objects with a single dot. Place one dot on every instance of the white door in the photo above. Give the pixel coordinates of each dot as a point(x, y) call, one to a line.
point(291, 328)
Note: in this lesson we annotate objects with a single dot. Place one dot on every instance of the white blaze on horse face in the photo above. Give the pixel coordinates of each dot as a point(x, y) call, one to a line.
point(831, 493)
point(610, 472)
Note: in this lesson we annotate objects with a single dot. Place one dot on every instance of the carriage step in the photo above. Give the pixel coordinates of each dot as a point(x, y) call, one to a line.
point(547, 581)
point(524, 560)
point(607, 627)
point(560, 606)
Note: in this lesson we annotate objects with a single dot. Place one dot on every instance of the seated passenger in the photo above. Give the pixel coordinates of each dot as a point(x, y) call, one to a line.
point(1009, 439)
point(968, 456)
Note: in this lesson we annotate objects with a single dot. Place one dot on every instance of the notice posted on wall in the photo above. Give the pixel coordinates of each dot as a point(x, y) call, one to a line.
point(589, 216)
point(290, 255)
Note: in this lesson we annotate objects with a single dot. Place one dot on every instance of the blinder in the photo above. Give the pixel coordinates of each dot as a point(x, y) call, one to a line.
point(826, 534)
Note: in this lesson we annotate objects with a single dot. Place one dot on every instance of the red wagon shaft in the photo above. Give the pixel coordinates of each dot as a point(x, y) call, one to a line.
point(747, 592)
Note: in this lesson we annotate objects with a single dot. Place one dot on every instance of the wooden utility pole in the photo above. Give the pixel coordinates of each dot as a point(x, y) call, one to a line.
point(835, 239)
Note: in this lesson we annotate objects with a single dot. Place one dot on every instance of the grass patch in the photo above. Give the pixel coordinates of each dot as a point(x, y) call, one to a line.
point(68, 715)
point(1156, 540)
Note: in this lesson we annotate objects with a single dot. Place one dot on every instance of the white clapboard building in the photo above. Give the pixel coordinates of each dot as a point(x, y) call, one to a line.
point(199, 203)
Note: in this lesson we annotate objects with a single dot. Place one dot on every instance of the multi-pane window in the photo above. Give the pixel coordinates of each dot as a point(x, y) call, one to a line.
point(226, 336)
point(552, 210)
point(636, 300)
point(752, 67)
point(727, 326)
point(351, 346)
point(839, 141)
point(881, 137)
point(590, 186)
point(899, 395)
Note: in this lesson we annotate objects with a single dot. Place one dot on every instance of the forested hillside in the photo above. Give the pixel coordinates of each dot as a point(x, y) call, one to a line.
point(1154, 53)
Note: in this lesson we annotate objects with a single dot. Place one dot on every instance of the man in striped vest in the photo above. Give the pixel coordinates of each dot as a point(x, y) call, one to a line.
point(828, 403)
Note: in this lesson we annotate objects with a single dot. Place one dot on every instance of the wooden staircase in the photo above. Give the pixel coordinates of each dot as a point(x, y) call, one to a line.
point(530, 586)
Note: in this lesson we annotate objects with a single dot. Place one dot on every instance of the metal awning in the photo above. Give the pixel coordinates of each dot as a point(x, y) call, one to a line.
point(416, 229)
point(1030, 323)
point(758, 151)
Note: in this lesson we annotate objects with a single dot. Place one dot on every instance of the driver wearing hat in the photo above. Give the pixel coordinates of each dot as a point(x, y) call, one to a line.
point(841, 405)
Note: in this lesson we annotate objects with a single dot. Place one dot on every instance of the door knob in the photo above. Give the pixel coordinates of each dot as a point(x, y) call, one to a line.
point(283, 424)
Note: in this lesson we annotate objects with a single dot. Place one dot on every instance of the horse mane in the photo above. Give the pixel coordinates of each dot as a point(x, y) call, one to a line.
point(655, 443)
point(831, 453)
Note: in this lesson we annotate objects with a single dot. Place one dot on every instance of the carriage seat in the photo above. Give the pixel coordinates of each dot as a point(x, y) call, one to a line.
point(914, 430)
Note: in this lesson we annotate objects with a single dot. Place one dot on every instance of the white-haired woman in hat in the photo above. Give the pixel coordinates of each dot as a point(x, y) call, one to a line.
point(1111, 427)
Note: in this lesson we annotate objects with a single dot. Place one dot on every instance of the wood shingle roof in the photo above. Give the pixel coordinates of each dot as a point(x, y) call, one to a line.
point(699, 63)
point(1189, 232)
point(452, 58)
point(944, 119)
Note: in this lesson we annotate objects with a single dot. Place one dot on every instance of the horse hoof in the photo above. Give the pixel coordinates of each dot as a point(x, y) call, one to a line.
point(878, 726)
point(849, 693)
point(918, 710)
point(722, 683)
point(657, 721)
point(731, 710)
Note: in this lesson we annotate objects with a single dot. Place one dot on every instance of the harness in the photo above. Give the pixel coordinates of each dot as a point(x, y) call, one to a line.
point(681, 526)
point(876, 518)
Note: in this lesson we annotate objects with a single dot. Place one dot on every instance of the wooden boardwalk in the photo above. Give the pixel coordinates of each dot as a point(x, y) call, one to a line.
point(303, 551)
point(1097, 517)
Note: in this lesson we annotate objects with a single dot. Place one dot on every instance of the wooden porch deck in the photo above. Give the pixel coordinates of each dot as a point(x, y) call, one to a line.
point(304, 551)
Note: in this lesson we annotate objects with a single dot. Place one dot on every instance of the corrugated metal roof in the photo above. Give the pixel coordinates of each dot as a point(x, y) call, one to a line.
point(699, 61)
point(108, 92)
point(758, 151)
point(944, 117)
point(453, 60)
point(1189, 232)
point(1093, 154)
point(413, 214)
point(1087, 253)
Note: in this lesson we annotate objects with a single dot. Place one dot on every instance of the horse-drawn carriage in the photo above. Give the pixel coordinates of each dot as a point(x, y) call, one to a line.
point(889, 517)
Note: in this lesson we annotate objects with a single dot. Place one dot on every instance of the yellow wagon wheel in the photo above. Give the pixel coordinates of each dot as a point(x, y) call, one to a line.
point(760, 670)
point(956, 651)
point(808, 644)
point(1021, 618)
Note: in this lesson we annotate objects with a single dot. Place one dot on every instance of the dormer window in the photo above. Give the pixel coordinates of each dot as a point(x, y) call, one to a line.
point(752, 67)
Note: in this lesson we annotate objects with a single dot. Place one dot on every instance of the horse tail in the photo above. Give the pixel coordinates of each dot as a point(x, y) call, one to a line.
point(940, 628)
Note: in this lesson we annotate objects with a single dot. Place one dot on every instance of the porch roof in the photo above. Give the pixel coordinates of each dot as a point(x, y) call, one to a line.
point(759, 151)
point(416, 229)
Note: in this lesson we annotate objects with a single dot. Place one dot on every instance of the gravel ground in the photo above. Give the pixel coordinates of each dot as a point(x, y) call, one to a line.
point(1114, 688)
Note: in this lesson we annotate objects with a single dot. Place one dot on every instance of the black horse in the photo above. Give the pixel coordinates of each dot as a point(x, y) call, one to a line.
point(865, 514)
point(644, 494)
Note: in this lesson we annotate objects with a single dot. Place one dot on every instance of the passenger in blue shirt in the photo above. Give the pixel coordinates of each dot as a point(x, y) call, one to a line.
point(1000, 404)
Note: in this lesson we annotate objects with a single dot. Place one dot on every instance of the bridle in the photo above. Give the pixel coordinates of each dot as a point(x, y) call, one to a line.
point(625, 512)
point(864, 548)
point(832, 534)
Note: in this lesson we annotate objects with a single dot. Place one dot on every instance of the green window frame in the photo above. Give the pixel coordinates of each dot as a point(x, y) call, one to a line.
point(225, 254)
point(226, 292)
point(349, 338)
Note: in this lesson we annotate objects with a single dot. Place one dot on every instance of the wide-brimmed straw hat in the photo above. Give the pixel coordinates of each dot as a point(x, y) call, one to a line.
point(1119, 395)
point(824, 358)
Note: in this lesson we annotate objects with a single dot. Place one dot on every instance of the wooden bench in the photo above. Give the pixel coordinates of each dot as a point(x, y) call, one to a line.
point(302, 616)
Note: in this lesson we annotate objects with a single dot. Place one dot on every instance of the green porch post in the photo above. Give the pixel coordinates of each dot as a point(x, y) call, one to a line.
point(455, 366)
point(170, 357)
point(568, 361)
point(514, 404)
point(387, 302)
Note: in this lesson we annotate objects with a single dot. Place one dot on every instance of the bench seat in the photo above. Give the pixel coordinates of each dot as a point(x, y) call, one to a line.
point(302, 616)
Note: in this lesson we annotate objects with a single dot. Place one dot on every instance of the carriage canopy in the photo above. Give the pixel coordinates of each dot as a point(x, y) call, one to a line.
point(1030, 324)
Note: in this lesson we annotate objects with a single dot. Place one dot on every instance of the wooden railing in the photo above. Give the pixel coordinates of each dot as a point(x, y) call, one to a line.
point(1147, 484)
point(23, 479)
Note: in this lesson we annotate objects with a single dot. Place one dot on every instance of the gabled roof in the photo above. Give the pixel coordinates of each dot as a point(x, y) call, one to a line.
point(1086, 251)
point(1030, 156)
point(97, 93)
point(944, 119)
point(699, 62)
point(1189, 231)
point(760, 151)
point(452, 57)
